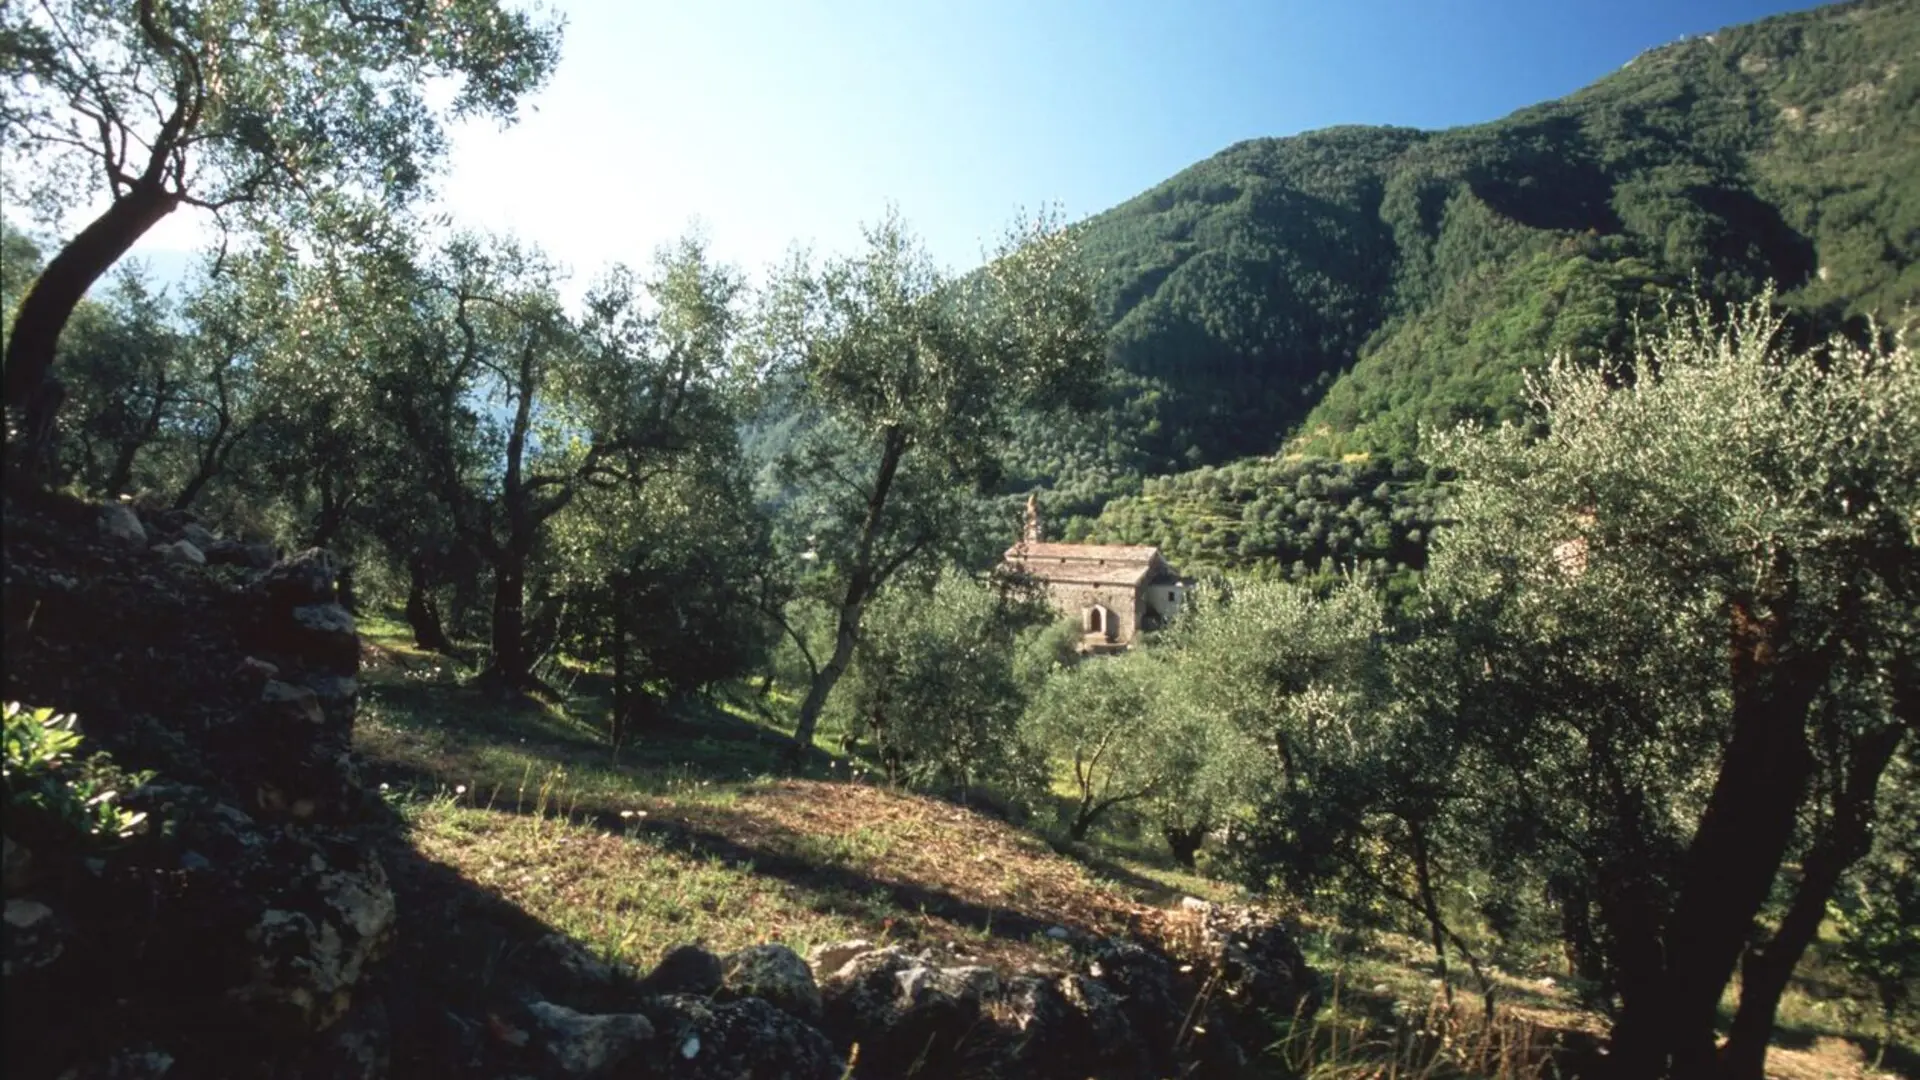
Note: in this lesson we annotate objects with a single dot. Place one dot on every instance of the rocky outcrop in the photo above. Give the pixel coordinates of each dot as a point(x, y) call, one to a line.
point(1122, 1009)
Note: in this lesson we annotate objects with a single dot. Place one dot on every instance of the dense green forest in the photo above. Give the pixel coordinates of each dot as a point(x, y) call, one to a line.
point(1335, 290)
point(1614, 691)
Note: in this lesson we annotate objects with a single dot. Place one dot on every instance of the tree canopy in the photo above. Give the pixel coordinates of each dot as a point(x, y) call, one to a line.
point(292, 111)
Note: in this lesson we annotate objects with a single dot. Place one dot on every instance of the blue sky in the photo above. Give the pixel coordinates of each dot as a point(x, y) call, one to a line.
point(766, 123)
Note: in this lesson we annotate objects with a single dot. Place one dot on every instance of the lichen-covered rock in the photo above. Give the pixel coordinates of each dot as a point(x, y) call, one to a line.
point(304, 578)
point(775, 974)
point(1071, 1026)
point(121, 526)
point(899, 1006)
point(326, 632)
point(830, 956)
point(35, 937)
point(1144, 983)
point(306, 957)
point(1260, 964)
point(700, 1039)
point(863, 994)
point(586, 1044)
point(1097, 1010)
point(182, 552)
point(198, 535)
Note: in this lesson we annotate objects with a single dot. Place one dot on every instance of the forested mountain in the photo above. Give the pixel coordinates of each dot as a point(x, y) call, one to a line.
point(1341, 287)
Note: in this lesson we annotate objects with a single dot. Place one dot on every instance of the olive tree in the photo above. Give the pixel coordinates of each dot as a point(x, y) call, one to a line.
point(234, 106)
point(914, 378)
point(517, 407)
point(936, 684)
point(1682, 623)
point(1108, 724)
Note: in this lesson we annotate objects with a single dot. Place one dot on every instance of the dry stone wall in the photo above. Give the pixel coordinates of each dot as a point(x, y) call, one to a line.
point(234, 937)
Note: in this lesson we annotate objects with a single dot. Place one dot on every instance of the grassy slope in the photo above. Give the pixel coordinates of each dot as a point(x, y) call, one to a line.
point(688, 837)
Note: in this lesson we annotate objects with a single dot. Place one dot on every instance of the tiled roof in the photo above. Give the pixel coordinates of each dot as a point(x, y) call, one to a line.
point(1089, 564)
point(1111, 553)
point(1072, 573)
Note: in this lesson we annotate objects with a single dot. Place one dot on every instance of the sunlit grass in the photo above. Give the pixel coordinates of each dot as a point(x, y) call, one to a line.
point(622, 893)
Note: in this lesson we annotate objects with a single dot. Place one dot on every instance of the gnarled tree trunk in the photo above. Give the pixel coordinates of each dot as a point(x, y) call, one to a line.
point(58, 290)
point(1766, 970)
point(423, 615)
point(862, 583)
point(1737, 851)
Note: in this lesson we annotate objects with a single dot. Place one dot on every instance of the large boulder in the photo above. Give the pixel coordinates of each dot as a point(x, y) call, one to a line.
point(774, 974)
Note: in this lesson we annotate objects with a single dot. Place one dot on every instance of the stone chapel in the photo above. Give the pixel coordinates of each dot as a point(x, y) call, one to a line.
point(1115, 591)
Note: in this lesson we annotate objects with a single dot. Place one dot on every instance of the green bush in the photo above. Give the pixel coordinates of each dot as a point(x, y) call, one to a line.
point(50, 792)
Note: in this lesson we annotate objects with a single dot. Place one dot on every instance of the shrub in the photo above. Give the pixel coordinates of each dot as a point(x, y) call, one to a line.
point(50, 793)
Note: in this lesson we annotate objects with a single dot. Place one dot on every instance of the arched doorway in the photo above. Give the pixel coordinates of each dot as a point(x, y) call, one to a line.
point(1102, 621)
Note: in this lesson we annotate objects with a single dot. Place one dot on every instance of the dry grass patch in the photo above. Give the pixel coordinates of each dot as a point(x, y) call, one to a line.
point(950, 864)
point(794, 861)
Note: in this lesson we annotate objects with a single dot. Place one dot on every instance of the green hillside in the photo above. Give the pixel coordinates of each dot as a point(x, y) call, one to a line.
point(1345, 286)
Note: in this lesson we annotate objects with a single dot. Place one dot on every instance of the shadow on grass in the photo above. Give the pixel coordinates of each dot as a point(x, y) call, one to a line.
point(779, 853)
point(437, 735)
point(1147, 889)
point(465, 727)
point(455, 958)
